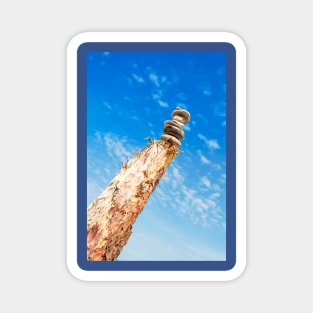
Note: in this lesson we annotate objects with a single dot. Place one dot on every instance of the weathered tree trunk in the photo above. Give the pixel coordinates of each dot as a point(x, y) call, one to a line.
point(112, 214)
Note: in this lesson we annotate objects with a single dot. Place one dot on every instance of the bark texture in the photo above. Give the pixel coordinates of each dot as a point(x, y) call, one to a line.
point(112, 214)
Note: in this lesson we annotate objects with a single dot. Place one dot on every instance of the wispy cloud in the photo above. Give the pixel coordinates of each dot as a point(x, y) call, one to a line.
point(107, 105)
point(207, 91)
point(203, 159)
point(216, 187)
point(177, 175)
point(157, 94)
point(223, 178)
point(198, 207)
point(187, 127)
point(105, 154)
point(138, 78)
point(206, 88)
point(202, 117)
point(154, 79)
point(117, 147)
point(206, 182)
point(215, 195)
point(211, 143)
point(163, 103)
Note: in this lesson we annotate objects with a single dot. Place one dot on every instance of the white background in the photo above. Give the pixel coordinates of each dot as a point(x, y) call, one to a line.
point(34, 36)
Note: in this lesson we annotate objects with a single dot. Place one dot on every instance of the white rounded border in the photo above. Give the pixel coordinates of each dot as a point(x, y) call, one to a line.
point(240, 48)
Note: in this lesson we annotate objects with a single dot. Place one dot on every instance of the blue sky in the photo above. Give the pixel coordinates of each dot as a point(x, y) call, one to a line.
point(129, 96)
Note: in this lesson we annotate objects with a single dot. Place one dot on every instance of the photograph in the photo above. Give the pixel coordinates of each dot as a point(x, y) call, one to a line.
point(142, 206)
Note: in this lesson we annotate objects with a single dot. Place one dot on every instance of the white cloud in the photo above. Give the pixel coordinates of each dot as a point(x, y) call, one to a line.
point(187, 127)
point(157, 94)
point(177, 175)
point(205, 88)
point(211, 143)
point(139, 79)
point(207, 92)
point(173, 178)
point(202, 137)
point(223, 178)
point(216, 187)
point(157, 80)
point(163, 79)
point(115, 146)
point(107, 105)
point(211, 203)
point(215, 195)
point(200, 205)
point(216, 166)
point(205, 181)
point(98, 137)
point(188, 192)
point(154, 79)
point(196, 205)
point(213, 220)
point(202, 117)
point(203, 159)
point(163, 104)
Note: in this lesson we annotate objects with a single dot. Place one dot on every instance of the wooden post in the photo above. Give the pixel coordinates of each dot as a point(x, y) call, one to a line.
point(112, 214)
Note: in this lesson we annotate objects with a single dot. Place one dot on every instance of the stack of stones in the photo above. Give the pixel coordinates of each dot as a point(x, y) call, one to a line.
point(173, 130)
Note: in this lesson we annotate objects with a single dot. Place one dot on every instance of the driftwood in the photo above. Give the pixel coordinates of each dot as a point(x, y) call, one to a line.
point(112, 215)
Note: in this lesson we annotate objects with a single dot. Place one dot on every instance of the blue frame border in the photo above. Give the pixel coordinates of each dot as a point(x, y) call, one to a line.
point(230, 51)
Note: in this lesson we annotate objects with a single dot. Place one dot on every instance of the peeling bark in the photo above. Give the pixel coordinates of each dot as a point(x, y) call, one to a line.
point(112, 214)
